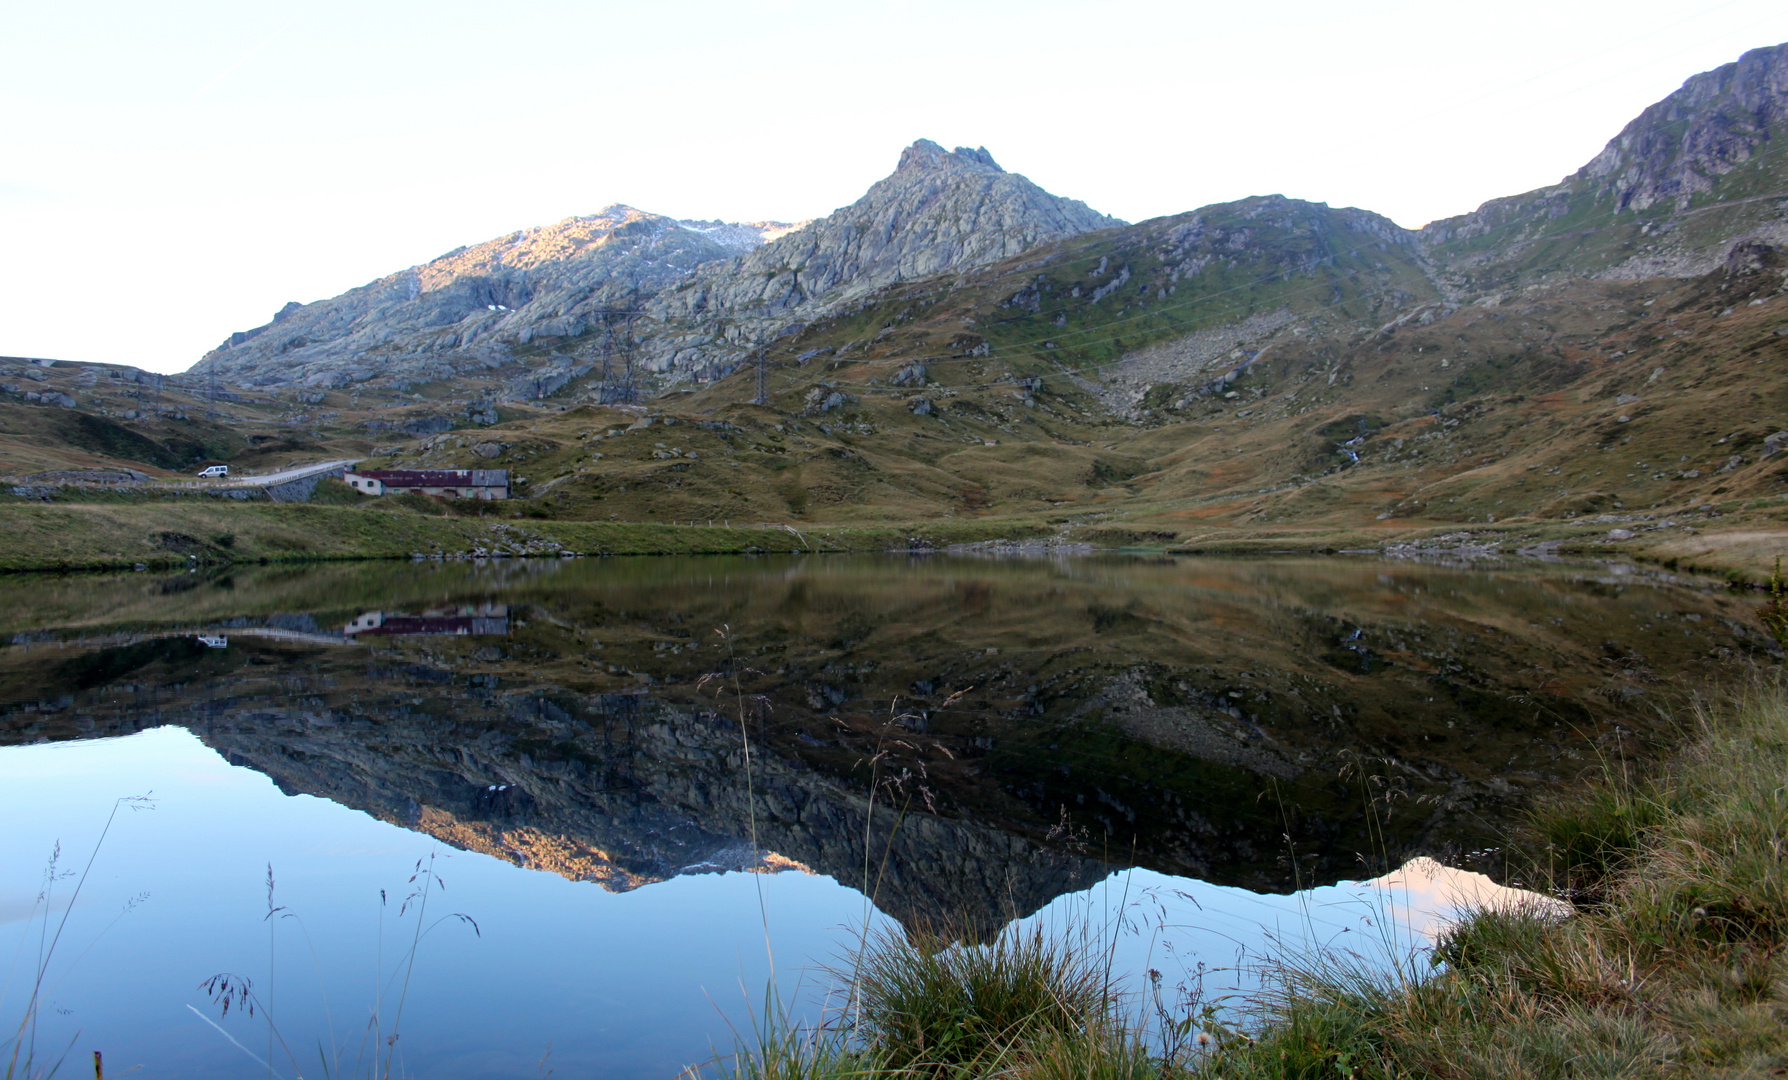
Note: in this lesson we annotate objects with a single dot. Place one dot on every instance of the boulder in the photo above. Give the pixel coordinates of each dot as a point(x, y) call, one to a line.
point(910, 375)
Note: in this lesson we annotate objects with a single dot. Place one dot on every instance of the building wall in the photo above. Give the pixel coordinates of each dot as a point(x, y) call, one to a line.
point(486, 490)
point(364, 485)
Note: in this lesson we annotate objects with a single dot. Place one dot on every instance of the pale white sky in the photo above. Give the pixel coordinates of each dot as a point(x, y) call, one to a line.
point(172, 172)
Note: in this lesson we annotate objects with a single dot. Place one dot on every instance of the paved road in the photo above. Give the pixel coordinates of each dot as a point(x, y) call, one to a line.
point(285, 476)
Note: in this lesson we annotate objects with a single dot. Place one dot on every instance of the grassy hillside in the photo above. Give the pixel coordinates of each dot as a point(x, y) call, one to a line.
point(1261, 375)
point(1573, 411)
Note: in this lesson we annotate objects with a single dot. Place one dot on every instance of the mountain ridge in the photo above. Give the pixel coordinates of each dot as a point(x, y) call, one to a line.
point(624, 303)
point(939, 209)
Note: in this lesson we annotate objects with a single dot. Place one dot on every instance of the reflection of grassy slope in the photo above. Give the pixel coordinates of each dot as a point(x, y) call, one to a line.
point(1265, 681)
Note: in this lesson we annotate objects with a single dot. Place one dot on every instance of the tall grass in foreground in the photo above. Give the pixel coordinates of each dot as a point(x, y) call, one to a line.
point(1673, 964)
point(20, 1058)
point(228, 990)
point(1021, 1005)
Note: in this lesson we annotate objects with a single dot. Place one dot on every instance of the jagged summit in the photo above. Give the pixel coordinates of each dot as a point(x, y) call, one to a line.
point(925, 154)
point(1679, 147)
point(938, 211)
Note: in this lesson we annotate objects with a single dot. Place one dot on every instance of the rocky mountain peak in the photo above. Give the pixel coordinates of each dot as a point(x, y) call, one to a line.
point(925, 154)
point(939, 211)
point(473, 303)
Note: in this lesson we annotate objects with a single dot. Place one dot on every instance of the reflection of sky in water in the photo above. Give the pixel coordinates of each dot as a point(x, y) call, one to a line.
point(629, 984)
point(617, 984)
point(1216, 939)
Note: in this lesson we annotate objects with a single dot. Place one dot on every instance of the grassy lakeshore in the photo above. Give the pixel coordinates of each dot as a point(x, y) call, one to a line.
point(1673, 964)
point(75, 536)
point(114, 533)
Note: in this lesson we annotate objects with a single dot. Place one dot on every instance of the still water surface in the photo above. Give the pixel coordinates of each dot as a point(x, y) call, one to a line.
point(1189, 754)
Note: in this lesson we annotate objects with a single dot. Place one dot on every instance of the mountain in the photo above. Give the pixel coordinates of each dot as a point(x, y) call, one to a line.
point(625, 302)
point(940, 211)
point(1273, 364)
point(708, 289)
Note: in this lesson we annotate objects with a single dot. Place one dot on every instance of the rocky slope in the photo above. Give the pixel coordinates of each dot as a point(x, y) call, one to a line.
point(940, 211)
point(468, 307)
point(577, 288)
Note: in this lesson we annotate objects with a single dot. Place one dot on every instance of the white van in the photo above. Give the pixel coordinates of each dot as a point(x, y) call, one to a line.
point(215, 470)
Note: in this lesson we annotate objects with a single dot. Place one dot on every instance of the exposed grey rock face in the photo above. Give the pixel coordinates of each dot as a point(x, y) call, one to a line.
point(939, 211)
point(742, 237)
point(473, 304)
point(708, 289)
point(1677, 148)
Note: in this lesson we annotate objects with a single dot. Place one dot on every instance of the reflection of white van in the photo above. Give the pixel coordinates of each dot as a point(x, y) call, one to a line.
point(215, 470)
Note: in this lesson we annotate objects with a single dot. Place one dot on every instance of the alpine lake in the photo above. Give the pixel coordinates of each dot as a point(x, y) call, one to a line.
point(585, 817)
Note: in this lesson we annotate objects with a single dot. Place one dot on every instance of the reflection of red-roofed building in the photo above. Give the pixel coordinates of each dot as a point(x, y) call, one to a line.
point(467, 620)
point(452, 483)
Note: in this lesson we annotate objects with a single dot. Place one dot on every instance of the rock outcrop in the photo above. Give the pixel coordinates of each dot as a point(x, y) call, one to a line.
point(1680, 147)
point(1626, 213)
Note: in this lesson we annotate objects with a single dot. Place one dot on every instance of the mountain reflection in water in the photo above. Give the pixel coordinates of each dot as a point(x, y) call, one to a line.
point(964, 740)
